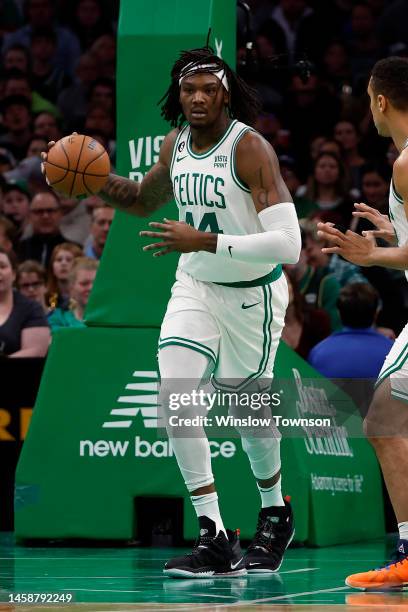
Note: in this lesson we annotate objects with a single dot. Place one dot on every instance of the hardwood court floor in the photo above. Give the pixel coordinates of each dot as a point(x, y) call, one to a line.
point(110, 579)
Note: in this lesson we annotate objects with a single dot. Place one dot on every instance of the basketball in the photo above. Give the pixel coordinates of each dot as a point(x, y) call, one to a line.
point(77, 165)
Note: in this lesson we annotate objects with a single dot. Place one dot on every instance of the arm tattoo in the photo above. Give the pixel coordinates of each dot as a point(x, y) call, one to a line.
point(139, 199)
point(120, 193)
point(262, 196)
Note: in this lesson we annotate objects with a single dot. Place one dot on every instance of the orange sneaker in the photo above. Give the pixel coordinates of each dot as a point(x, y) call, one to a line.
point(391, 576)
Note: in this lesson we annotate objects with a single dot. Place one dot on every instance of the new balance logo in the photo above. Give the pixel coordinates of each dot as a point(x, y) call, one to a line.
point(148, 407)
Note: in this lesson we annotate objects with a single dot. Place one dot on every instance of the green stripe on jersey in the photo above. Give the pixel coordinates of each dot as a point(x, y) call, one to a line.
point(187, 342)
point(214, 148)
point(234, 174)
point(266, 346)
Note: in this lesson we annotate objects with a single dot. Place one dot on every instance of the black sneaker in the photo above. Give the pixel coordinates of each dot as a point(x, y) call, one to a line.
point(274, 533)
point(212, 556)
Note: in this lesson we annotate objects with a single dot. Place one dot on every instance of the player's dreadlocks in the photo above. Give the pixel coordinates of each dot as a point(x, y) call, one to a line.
point(243, 104)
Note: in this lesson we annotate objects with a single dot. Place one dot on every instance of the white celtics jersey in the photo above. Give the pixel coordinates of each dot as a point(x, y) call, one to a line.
point(211, 198)
point(398, 217)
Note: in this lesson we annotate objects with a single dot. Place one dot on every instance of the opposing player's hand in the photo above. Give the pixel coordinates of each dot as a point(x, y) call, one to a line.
point(174, 236)
point(384, 226)
point(44, 156)
point(357, 249)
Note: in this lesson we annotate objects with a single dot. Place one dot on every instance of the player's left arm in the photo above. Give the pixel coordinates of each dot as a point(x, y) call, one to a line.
point(279, 242)
point(363, 250)
point(258, 167)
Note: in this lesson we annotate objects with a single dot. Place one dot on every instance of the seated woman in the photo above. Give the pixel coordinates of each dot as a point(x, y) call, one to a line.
point(61, 262)
point(24, 330)
point(31, 281)
point(326, 195)
point(81, 279)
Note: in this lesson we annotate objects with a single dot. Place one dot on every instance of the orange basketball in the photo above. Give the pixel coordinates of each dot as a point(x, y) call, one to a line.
point(77, 165)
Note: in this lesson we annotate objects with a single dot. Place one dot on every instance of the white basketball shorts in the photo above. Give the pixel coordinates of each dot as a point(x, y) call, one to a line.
point(396, 367)
point(237, 327)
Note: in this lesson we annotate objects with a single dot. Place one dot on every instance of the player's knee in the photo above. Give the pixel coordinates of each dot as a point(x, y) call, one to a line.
point(263, 455)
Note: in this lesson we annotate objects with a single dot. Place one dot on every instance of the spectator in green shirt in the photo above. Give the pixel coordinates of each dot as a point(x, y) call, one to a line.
point(81, 280)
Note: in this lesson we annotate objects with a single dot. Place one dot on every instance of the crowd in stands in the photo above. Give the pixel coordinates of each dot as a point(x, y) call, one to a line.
point(57, 75)
point(312, 67)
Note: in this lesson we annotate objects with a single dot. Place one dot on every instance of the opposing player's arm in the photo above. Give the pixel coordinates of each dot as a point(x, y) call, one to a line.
point(154, 191)
point(363, 250)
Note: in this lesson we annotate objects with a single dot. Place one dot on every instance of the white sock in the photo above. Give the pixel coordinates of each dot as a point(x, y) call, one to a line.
point(403, 530)
point(207, 505)
point(272, 496)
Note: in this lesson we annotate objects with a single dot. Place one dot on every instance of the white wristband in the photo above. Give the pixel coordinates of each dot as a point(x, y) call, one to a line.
point(279, 243)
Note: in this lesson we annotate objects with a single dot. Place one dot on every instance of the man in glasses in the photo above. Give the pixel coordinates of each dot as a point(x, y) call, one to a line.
point(45, 217)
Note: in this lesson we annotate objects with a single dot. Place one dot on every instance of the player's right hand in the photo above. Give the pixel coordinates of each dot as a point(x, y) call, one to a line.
point(384, 226)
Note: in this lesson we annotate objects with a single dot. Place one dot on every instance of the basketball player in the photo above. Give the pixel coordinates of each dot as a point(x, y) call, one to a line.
point(226, 313)
point(387, 418)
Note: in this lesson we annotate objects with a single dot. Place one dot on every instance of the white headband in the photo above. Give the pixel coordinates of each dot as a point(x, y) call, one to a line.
point(220, 74)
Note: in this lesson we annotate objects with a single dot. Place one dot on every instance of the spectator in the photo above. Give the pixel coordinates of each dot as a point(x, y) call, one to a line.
point(16, 207)
point(36, 145)
point(364, 45)
point(76, 222)
point(45, 216)
point(40, 13)
point(104, 51)
point(98, 119)
point(81, 280)
point(331, 146)
point(102, 218)
point(336, 67)
point(73, 101)
point(346, 133)
point(289, 174)
point(47, 79)
point(310, 110)
point(326, 193)
point(89, 22)
point(17, 124)
point(304, 326)
point(319, 287)
point(7, 234)
point(358, 307)
point(296, 20)
point(392, 26)
point(18, 58)
point(24, 330)
point(31, 282)
point(102, 94)
point(344, 272)
point(7, 161)
point(28, 173)
point(61, 264)
point(375, 182)
point(18, 84)
point(46, 125)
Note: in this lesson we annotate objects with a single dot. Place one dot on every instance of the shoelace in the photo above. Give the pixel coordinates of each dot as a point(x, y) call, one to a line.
point(260, 539)
point(396, 559)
